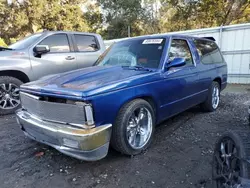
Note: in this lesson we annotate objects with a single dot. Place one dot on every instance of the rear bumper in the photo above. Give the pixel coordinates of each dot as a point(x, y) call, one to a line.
point(84, 144)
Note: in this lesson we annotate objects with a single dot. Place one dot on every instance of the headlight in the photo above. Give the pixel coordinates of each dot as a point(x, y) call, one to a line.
point(88, 111)
point(89, 114)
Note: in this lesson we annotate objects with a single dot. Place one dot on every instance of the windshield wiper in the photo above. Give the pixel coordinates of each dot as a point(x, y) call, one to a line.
point(3, 48)
point(137, 68)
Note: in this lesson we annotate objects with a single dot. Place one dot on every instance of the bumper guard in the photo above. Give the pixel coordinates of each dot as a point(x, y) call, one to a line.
point(84, 144)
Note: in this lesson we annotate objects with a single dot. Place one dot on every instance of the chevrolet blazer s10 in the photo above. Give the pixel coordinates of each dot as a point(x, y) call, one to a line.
point(136, 84)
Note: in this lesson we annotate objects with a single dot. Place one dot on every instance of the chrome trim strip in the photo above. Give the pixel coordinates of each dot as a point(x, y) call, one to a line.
point(59, 122)
point(31, 96)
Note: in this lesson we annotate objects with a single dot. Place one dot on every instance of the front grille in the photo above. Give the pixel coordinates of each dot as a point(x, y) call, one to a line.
point(53, 111)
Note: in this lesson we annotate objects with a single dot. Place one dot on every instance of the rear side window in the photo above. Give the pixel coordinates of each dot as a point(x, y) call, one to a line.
point(180, 48)
point(208, 51)
point(86, 43)
point(57, 43)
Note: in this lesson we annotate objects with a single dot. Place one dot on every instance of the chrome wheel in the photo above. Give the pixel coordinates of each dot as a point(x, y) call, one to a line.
point(227, 165)
point(139, 128)
point(215, 97)
point(9, 96)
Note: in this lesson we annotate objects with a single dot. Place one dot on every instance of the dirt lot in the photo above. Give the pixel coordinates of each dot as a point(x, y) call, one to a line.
point(180, 155)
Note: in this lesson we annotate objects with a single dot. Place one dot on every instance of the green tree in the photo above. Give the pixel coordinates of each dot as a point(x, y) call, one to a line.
point(20, 18)
point(93, 16)
point(2, 43)
point(178, 15)
point(119, 15)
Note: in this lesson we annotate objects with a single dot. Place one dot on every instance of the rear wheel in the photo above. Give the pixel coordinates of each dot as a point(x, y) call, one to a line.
point(134, 127)
point(9, 94)
point(229, 165)
point(213, 99)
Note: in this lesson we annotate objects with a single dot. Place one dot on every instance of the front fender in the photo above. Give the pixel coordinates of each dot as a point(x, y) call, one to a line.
point(16, 63)
point(107, 106)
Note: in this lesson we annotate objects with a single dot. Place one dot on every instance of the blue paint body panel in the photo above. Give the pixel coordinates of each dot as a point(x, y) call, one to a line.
point(109, 88)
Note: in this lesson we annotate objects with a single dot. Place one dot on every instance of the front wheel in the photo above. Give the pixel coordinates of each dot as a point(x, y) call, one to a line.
point(134, 127)
point(213, 99)
point(9, 94)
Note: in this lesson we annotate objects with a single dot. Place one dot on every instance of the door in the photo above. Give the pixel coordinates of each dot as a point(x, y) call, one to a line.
point(87, 50)
point(179, 82)
point(61, 57)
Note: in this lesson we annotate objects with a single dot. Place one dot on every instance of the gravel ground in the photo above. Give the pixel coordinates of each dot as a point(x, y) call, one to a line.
point(180, 155)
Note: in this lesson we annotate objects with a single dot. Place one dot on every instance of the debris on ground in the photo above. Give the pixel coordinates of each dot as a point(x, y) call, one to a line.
point(39, 154)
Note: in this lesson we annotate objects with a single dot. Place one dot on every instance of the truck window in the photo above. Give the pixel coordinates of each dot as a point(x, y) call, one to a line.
point(57, 43)
point(208, 51)
point(180, 48)
point(86, 43)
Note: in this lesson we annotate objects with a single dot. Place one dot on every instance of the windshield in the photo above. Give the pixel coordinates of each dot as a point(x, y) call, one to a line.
point(26, 42)
point(141, 52)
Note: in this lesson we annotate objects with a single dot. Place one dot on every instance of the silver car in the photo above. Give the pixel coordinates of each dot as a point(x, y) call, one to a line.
point(42, 54)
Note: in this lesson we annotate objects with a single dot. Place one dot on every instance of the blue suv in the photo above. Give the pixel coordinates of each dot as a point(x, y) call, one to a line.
point(136, 84)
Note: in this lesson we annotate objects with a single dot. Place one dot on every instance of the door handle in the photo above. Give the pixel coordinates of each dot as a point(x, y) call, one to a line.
point(69, 58)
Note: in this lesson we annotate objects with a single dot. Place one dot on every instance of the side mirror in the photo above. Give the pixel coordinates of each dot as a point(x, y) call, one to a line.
point(41, 49)
point(176, 62)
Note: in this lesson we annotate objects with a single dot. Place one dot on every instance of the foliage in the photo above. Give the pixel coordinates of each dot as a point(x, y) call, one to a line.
point(111, 18)
point(203, 13)
point(12, 40)
point(2, 43)
point(119, 15)
point(94, 17)
point(20, 18)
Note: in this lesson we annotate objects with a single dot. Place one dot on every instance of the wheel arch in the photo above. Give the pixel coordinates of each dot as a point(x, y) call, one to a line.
point(16, 74)
point(218, 80)
point(150, 99)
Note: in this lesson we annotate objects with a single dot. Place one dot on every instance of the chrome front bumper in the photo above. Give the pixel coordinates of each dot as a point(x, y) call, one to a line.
point(84, 144)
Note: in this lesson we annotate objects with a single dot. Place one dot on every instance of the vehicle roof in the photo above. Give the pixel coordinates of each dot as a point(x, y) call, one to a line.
point(164, 36)
point(72, 32)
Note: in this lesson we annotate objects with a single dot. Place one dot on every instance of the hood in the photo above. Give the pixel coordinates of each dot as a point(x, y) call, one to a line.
point(4, 53)
point(88, 81)
point(7, 54)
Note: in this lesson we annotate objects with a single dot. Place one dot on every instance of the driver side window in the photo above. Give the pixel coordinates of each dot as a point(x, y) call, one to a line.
point(180, 49)
point(57, 43)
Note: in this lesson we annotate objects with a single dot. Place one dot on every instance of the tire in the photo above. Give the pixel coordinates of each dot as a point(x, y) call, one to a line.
point(208, 104)
point(15, 83)
point(120, 136)
point(241, 140)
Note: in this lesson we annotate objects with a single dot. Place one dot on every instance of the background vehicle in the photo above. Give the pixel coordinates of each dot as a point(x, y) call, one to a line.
point(42, 54)
point(136, 84)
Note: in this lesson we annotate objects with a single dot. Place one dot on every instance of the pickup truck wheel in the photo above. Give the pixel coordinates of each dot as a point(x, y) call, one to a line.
point(213, 99)
point(9, 94)
point(230, 165)
point(134, 127)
